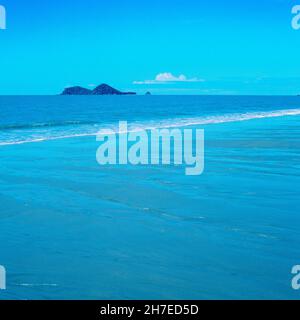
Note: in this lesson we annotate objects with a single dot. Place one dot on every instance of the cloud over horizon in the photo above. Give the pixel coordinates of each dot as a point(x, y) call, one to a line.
point(167, 77)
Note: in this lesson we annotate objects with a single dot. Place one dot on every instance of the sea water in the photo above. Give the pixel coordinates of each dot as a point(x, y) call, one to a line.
point(72, 229)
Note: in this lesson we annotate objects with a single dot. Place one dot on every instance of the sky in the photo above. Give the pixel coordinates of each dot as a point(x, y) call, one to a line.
point(166, 47)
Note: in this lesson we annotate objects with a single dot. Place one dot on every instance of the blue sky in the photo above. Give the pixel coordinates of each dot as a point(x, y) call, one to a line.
point(167, 47)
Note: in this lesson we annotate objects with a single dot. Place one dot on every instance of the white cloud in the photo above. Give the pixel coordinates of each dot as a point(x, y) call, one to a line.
point(166, 77)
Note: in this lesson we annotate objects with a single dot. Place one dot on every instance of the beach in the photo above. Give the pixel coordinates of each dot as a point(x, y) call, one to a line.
point(72, 229)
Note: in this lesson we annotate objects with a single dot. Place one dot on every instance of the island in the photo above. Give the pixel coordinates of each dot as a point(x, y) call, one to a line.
point(102, 89)
point(76, 91)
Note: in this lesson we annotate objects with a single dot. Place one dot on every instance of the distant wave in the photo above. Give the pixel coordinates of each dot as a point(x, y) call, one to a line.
point(31, 140)
point(138, 126)
point(44, 125)
point(235, 117)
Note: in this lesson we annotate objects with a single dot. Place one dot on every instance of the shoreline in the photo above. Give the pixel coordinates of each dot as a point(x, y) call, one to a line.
point(229, 118)
point(65, 215)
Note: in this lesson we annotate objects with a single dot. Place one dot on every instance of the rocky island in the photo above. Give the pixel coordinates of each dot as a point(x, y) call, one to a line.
point(76, 91)
point(103, 89)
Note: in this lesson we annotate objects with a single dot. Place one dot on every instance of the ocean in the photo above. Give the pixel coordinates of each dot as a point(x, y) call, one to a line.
point(72, 229)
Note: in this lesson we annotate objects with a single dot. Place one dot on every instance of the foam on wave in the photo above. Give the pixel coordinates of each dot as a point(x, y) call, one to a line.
point(168, 123)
